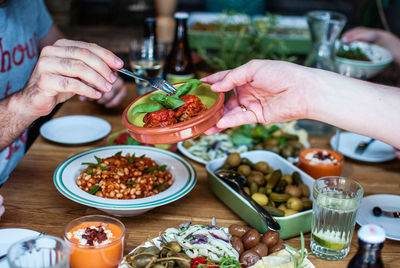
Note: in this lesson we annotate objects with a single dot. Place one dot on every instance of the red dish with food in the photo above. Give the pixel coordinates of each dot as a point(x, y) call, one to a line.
point(321, 162)
point(199, 111)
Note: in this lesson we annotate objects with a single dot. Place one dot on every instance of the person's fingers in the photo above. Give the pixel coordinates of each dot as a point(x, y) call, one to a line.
point(236, 117)
point(397, 154)
point(74, 68)
point(83, 98)
point(107, 56)
point(118, 98)
point(83, 54)
point(213, 130)
point(53, 84)
point(213, 78)
point(359, 34)
point(118, 85)
point(1, 200)
point(238, 76)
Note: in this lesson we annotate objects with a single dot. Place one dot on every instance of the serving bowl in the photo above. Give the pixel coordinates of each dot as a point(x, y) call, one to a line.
point(379, 56)
point(180, 131)
point(183, 175)
point(290, 225)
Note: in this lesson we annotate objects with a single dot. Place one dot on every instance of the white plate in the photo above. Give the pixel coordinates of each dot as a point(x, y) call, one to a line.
point(183, 174)
point(8, 237)
point(189, 155)
point(386, 202)
point(375, 152)
point(75, 129)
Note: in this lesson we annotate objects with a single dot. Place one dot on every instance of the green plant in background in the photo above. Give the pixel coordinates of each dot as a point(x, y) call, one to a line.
point(243, 42)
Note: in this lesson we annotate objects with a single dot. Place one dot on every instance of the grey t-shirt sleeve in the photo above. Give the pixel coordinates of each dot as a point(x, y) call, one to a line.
point(44, 20)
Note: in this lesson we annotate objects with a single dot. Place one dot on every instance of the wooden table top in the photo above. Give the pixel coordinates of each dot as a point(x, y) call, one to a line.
point(33, 202)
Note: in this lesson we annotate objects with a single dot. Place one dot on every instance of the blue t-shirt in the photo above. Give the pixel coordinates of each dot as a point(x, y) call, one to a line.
point(22, 24)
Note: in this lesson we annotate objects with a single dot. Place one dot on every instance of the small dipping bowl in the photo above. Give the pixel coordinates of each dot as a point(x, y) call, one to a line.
point(320, 169)
point(100, 256)
point(180, 131)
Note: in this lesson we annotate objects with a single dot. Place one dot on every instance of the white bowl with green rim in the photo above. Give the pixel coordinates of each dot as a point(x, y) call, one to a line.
point(379, 56)
point(291, 225)
point(183, 175)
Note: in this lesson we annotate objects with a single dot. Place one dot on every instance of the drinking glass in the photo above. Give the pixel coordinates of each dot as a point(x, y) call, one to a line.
point(146, 61)
point(39, 252)
point(336, 201)
point(107, 255)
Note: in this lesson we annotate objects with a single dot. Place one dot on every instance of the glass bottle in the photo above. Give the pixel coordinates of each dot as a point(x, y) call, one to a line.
point(179, 66)
point(370, 241)
point(325, 27)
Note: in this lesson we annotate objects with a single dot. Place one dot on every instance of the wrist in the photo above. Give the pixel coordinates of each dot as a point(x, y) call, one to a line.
point(21, 108)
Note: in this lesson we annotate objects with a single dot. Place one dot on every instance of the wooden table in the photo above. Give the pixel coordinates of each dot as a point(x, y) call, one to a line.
point(33, 202)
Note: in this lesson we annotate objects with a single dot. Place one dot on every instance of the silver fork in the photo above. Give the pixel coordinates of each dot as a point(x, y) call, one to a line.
point(157, 82)
point(362, 146)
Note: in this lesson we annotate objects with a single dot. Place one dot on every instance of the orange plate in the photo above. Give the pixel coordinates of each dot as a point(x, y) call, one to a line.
point(177, 132)
point(320, 170)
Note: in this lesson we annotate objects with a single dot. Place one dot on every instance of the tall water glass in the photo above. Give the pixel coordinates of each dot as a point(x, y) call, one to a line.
point(39, 252)
point(336, 201)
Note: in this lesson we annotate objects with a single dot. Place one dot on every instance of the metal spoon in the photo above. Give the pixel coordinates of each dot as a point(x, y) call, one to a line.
point(377, 211)
point(238, 180)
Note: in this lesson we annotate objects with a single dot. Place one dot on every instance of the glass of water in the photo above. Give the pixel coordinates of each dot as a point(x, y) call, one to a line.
point(39, 252)
point(146, 61)
point(336, 201)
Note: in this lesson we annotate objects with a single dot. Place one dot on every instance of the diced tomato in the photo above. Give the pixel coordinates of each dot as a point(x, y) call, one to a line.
point(192, 107)
point(202, 262)
point(161, 118)
point(121, 139)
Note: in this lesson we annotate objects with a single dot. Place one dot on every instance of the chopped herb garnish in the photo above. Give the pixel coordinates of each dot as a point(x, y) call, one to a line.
point(103, 168)
point(132, 141)
point(130, 183)
point(118, 153)
point(150, 169)
point(94, 189)
point(89, 172)
point(298, 263)
point(90, 164)
point(143, 155)
point(98, 159)
point(158, 186)
point(162, 168)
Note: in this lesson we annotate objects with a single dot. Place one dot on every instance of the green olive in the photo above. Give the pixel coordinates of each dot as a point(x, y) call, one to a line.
point(289, 212)
point(174, 246)
point(287, 151)
point(152, 250)
point(307, 203)
point(233, 160)
point(287, 178)
point(246, 190)
point(257, 177)
point(273, 148)
point(282, 207)
point(253, 188)
point(244, 170)
point(261, 166)
point(181, 263)
point(141, 260)
point(296, 144)
point(261, 190)
point(157, 265)
point(305, 191)
point(187, 144)
point(294, 191)
point(272, 141)
point(261, 199)
point(246, 161)
point(295, 204)
point(258, 147)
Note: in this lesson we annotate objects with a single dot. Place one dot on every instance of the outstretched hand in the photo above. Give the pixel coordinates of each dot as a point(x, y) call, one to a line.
point(271, 91)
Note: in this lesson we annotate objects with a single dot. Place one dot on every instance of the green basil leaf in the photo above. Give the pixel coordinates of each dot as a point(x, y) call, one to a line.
point(158, 186)
point(118, 153)
point(147, 108)
point(187, 87)
point(160, 98)
point(150, 169)
point(90, 164)
point(103, 168)
point(98, 159)
point(94, 189)
point(130, 183)
point(162, 168)
point(132, 141)
point(272, 129)
point(241, 138)
point(173, 102)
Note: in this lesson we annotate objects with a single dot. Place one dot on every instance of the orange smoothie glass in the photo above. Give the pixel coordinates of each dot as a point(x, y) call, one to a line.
point(95, 241)
point(321, 162)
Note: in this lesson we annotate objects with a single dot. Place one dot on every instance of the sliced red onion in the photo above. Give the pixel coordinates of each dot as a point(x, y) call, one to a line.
point(199, 239)
point(185, 225)
point(218, 237)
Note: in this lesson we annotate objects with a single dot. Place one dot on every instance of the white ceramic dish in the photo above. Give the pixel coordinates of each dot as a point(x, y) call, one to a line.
point(375, 152)
point(75, 129)
point(183, 173)
point(386, 202)
point(189, 155)
point(380, 58)
point(9, 236)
